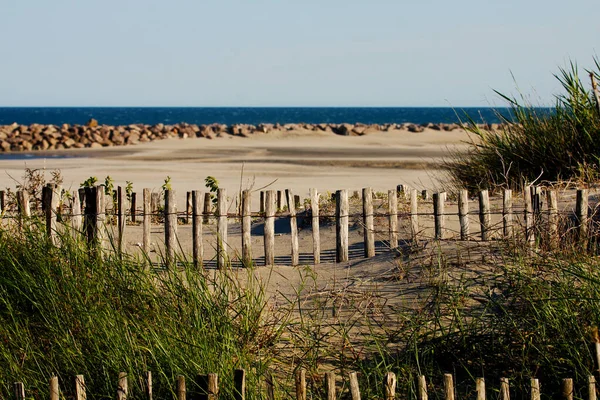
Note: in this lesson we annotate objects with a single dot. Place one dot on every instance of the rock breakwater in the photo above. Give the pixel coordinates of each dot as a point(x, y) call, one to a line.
point(38, 137)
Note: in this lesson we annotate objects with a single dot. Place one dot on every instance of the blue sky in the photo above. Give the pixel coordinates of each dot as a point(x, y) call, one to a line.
point(288, 53)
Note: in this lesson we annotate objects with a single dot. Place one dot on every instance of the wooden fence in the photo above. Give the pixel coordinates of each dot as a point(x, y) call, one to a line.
point(206, 387)
point(533, 218)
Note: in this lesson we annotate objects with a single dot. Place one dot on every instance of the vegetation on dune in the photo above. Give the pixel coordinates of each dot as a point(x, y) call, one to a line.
point(535, 145)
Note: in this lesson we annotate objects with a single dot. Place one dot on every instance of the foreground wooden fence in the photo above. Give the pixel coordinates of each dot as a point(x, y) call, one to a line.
point(206, 387)
point(533, 218)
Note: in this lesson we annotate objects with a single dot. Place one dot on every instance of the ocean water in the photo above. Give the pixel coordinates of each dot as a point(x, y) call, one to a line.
point(246, 115)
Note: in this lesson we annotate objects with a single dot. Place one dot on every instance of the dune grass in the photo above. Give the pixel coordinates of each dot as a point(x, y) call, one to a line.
point(534, 144)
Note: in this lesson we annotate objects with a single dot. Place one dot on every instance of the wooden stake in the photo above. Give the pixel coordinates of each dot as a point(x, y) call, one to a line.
point(369, 230)
point(393, 221)
point(213, 386)
point(314, 207)
point(389, 383)
point(132, 209)
point(269, 229)
point(121, 218)
point(222, 247)
point(448, 387)
point(51, 210)
point(262, 202)
point(148, 376)
point(354, 388)
point(567, 389)
point(595, 90)
point(300, 380)
point(180, 389)
point(19, 390)
point(293, 227)
point(279, 201)
point(507, 213)
point(591, 387)
point(76, 216)
point(170, 227)
point(146, 221)
point(463, 213)
point(54, 389)
point(484, 215)
point(480, 387)
point(330, 385)
point(504, 389)
point(188, 207)
point(80, 393)
point(341, 217)
point(438, 214)
point(552, 218)
point(207, 211)
point(422, 388)
point(246, 228)
point(414, 214)
point(122, 388)
point(535, 389)
point(197, 244)
point(581, 212)
point(239, 382)
point(529, 234)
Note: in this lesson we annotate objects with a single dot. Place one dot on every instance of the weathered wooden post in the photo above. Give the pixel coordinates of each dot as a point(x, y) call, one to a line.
point(438, 214)
point(529, 233)
point(54, 389)
point(146, 221)
point(239, 383)
point(188, 207)
point(480, 388)
point(552, 218)
point(389, 384)
point(222, 247)
point(330, 385)
point(80, 393)
point(591, 387)
point(316, 235)
point(535, 389)
point(567, 389)
point(19, 390)
point(484, 214)
point(207, 207)
point(293, 227)
point(123, 386)
point(369, 230)
point(132, 209)
point(170, 228)
point(148, 384)
point(393, 218)
point(262, 202)
point(507, 213)
point(269, 229)
point(504, 389)
point(52, 198)
point(448, 387)
point(463, 213)
point(76, 216)
point(279, 201)
point(247, 228)
point(422, 388)
point(354, 388)
point(581, 213)
point(197, 245)
point(341, 216)
point(180, 388)
point(121, 216)
point(414, 215)
point(300, 381)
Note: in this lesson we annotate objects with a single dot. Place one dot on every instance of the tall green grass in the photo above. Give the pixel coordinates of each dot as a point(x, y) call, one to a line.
point(64, 311)
point(535, 145)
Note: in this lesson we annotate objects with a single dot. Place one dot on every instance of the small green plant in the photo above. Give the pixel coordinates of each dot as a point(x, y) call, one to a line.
point(213, 185)
point(129, 189)
point(109, 186)
point(89, 182)
point(167, 185)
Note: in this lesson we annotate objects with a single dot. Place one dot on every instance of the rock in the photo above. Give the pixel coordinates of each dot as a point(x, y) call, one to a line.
point(95, 145)
point(68, 143)
point(92, 123)
point(5, 145)
point(415, 128)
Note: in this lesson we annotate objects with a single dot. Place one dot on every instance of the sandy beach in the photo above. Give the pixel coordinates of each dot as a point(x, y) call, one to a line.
point(296, 160)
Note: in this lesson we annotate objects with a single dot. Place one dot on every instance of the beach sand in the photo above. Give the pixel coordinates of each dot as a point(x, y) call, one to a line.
point(296, 160)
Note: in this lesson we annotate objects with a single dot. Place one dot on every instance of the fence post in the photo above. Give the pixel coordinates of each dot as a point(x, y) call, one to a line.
point(180, 389)
point(438, 214)
point(448, 387)
point(170, 227)
point(529, 234)
point(552, 218)
point(300, 381)
point(581, 212)
point(247, 228)
point(535, 389)
point(54, 389)
point(239, 381)
point(148, 379)
point(197, 245)
point(480, 387)
point(146, 220)
point(354, 388)
point(504, 389)
point(279, 201)
point(316, 235)
point(122, 388)
point(393, 218)
point(133, 210)
point(91, 218)
point(341, 217)
point(2, 201)
point(591, 387)
point(76, 217)
point(188, 207)
point(567, 389)
point(19, 390)
point(369, 230)
point(23, 206)
point(293, 227)
point(463, 213)
point(121, 217)
point(414, 214)
point(389, 384)
point(222, 252)
point(422, 388)
point(262, 202)
point(484, 214)
point(207, 207)
point(330, 385)
point(52, 200)
point(269, 229)
point(80, 393)
point(425, 194)
point(507, 213)
point(213, 386)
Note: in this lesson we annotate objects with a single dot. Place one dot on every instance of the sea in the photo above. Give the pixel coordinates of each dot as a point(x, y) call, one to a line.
point(248, 115)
